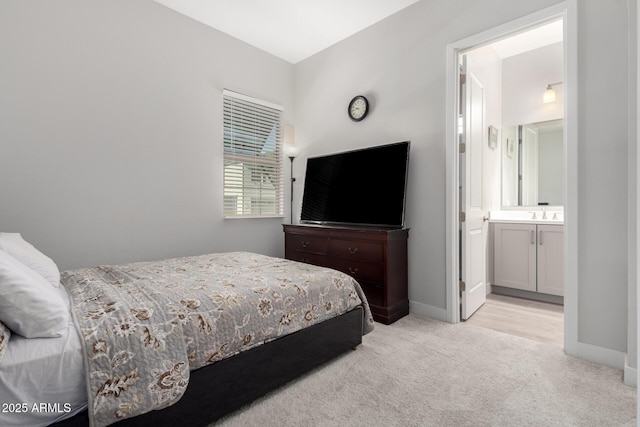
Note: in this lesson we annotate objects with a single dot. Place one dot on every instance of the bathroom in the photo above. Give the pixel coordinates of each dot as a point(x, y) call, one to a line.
point(523, 184)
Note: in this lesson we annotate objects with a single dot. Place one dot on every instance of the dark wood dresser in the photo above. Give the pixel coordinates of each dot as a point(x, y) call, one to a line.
point(376, 258)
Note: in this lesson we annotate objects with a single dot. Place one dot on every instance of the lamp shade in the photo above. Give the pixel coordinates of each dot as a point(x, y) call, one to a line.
point(291, 150)
point(549, 95)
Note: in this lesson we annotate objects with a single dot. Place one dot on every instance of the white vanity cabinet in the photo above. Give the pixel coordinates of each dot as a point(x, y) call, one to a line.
point(529, 257)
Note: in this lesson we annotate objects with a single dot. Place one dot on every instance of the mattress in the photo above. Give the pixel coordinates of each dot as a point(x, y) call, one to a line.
point(42, 379)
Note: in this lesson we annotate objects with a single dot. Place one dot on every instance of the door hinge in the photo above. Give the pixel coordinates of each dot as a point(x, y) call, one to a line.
point(463, 217)
point(463, 148)
point(463, 79)
point(463, 286)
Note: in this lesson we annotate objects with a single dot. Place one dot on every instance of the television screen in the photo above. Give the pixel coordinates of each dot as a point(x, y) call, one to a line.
point(360, 187)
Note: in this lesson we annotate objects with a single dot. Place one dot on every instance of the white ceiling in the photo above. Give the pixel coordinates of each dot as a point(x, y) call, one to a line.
point(289, 29)
point(296, 29)
point(538, 37)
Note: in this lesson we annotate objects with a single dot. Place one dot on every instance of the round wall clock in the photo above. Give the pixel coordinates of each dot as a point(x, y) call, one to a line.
point(358, 108)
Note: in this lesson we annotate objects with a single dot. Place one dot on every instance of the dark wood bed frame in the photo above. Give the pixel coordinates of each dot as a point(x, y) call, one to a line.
point(219, 389)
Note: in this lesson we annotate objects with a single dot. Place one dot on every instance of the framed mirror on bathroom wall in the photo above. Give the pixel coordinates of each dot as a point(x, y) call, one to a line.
point(533, 164)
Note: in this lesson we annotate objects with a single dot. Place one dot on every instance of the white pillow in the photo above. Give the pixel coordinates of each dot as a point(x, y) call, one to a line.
point(23, 251)
point(29, 305)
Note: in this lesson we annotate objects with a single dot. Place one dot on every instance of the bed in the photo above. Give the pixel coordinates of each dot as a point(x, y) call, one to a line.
point(181, 340)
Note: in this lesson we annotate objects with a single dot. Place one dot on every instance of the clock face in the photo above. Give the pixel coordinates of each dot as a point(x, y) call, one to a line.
point(358, 108)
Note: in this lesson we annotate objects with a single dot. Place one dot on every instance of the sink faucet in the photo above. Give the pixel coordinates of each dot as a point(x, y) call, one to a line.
point(544, 212)
point(533, 216)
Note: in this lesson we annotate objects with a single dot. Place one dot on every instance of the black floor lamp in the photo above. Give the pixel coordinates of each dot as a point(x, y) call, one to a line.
point(291, 151)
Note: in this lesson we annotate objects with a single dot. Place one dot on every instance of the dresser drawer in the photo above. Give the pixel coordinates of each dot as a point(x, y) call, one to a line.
point(298, 242)
point(307, 257)
point(359, 270)
point(355, 250)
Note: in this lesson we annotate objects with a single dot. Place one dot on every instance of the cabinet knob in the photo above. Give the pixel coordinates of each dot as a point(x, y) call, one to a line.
point(353, 251)
point(304, 243)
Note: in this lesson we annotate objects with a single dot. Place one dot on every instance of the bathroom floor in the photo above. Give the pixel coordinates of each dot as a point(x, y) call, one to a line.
point(539, 321)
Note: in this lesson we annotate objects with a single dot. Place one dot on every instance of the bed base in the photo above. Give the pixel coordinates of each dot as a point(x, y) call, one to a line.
point(219, 389)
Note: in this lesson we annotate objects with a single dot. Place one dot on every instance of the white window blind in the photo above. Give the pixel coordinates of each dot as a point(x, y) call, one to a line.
point(253, 182)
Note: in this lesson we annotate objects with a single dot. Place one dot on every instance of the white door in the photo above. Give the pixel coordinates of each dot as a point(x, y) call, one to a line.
point(472, 228)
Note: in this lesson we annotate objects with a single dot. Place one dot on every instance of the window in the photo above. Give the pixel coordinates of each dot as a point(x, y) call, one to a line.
point(253, 182)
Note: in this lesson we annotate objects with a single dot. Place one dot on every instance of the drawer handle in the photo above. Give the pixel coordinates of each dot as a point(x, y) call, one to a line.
point(304, 243)
point(353, 251)
point(353, 270)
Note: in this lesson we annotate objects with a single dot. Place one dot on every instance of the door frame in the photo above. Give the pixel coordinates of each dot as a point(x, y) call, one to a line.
point(566, 10)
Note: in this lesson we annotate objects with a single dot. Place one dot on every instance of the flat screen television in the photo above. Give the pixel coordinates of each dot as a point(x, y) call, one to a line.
point(365, 187)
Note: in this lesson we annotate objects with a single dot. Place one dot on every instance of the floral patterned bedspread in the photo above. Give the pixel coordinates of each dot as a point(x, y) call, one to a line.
point(145, 325)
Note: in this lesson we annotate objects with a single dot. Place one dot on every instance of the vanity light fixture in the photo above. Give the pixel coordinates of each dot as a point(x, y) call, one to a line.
point(549, 95)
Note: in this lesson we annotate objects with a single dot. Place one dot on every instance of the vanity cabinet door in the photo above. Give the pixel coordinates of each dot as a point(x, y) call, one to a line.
point(551, 259)
point(515, 256)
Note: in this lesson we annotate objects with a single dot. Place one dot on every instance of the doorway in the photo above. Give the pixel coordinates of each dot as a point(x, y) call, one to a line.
point(565, 13)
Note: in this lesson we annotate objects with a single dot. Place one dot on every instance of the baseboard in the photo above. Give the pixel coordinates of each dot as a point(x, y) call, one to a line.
point(630, 374)
point(519, 293)
point(601, 355)
point(428, 311)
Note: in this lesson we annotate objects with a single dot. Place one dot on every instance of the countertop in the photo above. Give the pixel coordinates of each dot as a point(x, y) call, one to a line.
point(526, 217)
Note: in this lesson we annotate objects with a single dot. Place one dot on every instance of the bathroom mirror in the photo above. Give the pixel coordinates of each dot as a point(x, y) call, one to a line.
point(533, 164)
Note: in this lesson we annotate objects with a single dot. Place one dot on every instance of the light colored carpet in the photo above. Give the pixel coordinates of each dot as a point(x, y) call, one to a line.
point(419, 372)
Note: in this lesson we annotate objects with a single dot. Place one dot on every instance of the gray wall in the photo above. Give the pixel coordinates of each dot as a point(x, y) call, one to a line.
point(603, 172)
point(400, 64)
point(111, 127)
point(522, 76)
